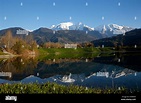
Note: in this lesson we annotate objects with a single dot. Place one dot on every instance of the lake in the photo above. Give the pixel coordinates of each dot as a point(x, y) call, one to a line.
point(113, 70)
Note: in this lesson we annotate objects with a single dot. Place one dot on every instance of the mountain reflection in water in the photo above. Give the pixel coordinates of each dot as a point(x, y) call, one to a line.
point(105, 71)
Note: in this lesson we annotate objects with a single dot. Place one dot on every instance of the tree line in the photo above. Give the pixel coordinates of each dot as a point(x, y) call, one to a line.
point(17, 45)
point(24, 45)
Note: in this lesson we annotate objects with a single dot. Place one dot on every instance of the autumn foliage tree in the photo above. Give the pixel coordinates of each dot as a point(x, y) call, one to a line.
point(8, 40)
point(87, 44)
point(52, 45)
point(16, 44)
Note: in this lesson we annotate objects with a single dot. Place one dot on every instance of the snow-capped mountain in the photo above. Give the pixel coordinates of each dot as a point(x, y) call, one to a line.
point(113, 29)
point(71, 26)
point(108, 30)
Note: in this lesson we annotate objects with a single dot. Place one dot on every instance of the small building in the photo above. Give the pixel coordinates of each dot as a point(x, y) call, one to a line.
point(71, 46)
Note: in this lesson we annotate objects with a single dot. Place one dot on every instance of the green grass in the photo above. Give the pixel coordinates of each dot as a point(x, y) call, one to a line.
point(53, 88)
point(106, 49)
point(57, 53)
point(68, 50)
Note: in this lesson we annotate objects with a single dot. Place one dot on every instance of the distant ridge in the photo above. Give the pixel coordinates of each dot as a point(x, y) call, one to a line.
point(69, 32)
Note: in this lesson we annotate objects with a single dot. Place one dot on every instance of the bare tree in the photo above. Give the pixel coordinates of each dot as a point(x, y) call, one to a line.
point(8, 40)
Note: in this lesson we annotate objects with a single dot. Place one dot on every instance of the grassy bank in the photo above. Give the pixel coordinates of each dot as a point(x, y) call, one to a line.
point(68, 52)
point(53, 88)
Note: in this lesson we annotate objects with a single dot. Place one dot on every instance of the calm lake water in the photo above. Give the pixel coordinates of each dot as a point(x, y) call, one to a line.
point(106, 70)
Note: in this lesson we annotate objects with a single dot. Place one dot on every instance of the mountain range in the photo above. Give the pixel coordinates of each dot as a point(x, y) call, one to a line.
point(113, 29)
point(71, 26)
point(108, 30)
point(131, 38)
point(69, 32)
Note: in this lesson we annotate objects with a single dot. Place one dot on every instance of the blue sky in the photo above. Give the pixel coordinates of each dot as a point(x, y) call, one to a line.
point(33, 14)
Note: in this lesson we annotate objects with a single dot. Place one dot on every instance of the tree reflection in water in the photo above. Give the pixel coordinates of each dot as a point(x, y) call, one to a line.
point(19, 66)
